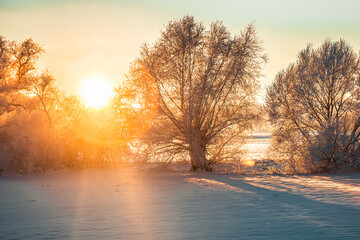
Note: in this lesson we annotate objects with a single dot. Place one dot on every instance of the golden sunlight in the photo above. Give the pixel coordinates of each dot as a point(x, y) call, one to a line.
point(96, 92)
point(248, 161)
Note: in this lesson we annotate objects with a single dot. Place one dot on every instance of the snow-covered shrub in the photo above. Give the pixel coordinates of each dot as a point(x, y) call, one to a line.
point(28, 144)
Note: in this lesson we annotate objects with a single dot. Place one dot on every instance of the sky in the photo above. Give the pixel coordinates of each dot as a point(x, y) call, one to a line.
point(85, 39)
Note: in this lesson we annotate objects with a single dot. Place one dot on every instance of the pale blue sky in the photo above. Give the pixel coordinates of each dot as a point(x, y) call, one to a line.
point(83, 38)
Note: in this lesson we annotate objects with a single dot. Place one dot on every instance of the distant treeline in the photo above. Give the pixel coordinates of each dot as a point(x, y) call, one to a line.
point(195, 94)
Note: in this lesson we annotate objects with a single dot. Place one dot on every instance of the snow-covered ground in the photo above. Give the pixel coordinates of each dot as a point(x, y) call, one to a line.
point(126, 203)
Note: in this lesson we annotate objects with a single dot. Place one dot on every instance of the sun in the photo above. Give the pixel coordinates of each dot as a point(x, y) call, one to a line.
point(96, 92)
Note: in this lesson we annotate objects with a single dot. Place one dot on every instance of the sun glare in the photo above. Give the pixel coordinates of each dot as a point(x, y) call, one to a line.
point(96, 92)
point(248, 161)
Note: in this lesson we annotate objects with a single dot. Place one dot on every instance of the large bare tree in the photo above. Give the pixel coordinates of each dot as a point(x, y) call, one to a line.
point(315, 107)
point(206, 82)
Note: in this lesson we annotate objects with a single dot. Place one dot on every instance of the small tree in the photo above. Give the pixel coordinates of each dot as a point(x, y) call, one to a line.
point(314, 106)
point(135, 106)
point(17, 70)
point(46, 94)
point(206, 81)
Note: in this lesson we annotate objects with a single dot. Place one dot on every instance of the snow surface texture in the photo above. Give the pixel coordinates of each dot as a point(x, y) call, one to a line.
point(129, 204)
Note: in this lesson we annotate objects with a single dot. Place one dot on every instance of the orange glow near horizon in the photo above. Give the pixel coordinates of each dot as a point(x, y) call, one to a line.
point(248, 161)
point(96, 92)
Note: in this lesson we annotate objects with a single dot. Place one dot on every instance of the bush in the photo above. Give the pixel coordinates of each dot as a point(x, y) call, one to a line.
point(28, 144)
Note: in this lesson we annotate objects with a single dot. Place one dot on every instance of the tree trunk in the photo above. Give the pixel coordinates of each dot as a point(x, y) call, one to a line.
point(198, 156)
